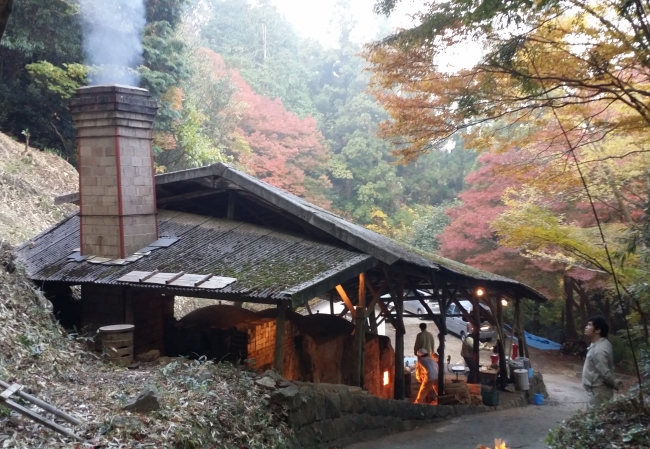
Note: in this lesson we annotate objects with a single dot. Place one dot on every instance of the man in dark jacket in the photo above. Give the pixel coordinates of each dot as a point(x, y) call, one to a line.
point(426, 373)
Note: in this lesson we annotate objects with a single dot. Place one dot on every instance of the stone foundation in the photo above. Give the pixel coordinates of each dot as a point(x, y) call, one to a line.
point(328, 415)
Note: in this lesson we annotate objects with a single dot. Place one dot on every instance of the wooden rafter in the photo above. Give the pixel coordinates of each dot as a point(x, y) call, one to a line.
point(346, 300)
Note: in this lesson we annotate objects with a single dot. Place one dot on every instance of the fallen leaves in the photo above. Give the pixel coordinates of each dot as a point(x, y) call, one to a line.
point(203, 404)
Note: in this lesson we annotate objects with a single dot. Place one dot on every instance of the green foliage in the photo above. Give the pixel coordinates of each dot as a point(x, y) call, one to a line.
point(40, 33)
point(198, 148)
point(427, 228)
point(60, 81)
point(620, 423)
point(260, 43)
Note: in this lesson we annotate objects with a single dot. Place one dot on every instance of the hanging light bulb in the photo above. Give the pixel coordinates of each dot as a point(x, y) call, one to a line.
point(479, 292)
point(504, 302)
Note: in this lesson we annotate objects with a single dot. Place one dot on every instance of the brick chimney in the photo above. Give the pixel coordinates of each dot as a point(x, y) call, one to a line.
point(117, 196)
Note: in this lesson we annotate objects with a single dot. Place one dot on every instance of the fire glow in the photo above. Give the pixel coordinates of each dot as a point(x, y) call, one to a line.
point(386, 378)
point(498, 444)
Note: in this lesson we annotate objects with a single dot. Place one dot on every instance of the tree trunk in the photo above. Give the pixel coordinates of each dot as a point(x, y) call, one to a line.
point(571, 333)
point(5, 12)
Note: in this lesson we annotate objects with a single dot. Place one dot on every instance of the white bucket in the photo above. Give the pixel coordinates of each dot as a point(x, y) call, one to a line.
point(521, 379)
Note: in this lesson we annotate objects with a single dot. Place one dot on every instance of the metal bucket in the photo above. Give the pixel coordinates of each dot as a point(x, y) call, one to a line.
point(521, 379)
point(117, 343)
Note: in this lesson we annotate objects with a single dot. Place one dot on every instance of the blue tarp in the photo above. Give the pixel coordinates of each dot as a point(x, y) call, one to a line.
point(539, 342)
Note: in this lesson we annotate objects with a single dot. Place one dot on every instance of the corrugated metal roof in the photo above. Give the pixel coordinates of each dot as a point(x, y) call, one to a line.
point(266, 263)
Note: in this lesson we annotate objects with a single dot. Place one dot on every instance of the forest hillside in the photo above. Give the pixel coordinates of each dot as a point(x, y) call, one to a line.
point(29, 180)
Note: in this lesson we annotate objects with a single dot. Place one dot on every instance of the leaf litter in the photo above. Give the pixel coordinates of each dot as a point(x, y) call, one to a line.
point(203, 404)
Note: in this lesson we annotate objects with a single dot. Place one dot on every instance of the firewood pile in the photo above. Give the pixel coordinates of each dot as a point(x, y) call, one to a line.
point(458, 393)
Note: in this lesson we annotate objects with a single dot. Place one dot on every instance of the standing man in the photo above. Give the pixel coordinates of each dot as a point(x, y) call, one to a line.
point(426, 372)
point(598, 372)
point(424, 340)
point(467, 352)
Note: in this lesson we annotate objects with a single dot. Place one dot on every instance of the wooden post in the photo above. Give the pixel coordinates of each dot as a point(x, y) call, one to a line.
point(278, 360)
point(503, 369)
point(476, 312)
point(399, 345)
point(442, 332)
point(230, 214)
point(362, 291)
point(372, 318)
point(359, 341)
point(331, 303)
point(518, 327)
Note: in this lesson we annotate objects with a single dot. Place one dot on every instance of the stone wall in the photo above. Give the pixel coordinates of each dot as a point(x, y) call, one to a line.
point(327, 415)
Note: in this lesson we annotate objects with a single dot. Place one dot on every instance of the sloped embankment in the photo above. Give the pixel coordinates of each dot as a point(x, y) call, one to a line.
point(29, 180)
point(202, 404)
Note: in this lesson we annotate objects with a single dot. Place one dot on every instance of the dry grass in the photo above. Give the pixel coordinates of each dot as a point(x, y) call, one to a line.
point(29, 180)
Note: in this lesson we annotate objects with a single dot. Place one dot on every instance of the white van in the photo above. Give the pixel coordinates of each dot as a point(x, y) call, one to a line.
point(456, 324)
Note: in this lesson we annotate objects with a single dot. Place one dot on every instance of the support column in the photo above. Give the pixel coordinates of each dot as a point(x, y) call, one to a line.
point(278, 360)
point(442, 332)
point(399, 347)
point(503, 369)
point(523, 347)
point(359, 343)
point(476, 312)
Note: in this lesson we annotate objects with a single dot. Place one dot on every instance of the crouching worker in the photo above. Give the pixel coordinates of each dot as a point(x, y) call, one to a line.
point(426, 373)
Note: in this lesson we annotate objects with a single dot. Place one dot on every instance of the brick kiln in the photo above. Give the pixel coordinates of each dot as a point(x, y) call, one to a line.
point(317, 348)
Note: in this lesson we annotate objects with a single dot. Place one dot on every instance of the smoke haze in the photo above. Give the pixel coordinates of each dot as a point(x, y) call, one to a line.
point(112, 40)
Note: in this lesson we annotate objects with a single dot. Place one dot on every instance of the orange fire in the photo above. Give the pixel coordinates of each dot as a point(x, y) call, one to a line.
point(498, 444)
point(386, 378)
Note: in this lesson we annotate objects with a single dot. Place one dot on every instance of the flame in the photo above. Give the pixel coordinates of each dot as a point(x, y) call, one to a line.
point(498, 444)
point(386, 378)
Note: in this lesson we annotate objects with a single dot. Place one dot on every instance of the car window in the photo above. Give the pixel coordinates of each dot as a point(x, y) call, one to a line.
point(451, 310)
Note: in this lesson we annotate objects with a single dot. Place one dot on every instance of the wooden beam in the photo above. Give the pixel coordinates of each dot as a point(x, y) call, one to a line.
point(396, 323)
point(476, 335)
point(232, 197)
point(346, 300)
point(278, 356)
point(308, 307)
point(424, 304)
point(376, 294)
point(399, 347)
point(442, 335)
point(359, 342)
point(503, 369)
point(186, 196)
point(361, 302)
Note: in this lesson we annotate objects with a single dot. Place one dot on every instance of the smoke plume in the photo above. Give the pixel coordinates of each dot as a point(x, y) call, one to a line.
point(112, 40)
